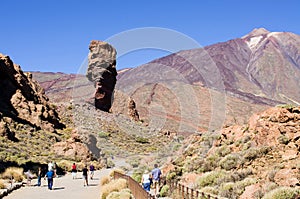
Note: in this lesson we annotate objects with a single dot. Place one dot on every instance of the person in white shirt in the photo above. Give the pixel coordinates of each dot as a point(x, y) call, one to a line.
point(146, 180)
point(50, 166)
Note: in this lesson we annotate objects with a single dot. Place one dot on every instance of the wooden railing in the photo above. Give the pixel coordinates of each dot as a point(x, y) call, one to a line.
point(176, 189)
point(184, 192)
point(136, 189)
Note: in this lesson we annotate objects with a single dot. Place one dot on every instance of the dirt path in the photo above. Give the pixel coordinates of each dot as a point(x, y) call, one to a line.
point(64, 188)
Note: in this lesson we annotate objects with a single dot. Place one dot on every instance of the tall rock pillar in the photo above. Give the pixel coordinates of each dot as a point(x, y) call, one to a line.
point(102, 71)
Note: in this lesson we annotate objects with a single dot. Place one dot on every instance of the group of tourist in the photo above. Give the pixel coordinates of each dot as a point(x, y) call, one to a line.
point(84, 173)
point(51, 174)
point(151, 178)
point(148, 178)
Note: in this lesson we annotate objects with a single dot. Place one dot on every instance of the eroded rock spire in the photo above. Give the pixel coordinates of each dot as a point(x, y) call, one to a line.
point(102, 71)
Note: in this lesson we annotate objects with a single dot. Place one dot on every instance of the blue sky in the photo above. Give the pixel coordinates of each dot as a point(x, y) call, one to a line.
point(54, 35)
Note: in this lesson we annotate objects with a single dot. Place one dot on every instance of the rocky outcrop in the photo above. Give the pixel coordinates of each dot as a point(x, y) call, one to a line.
point(4, 129)
point(23, 100)
point(132, 112)
point(73, 148)
point(263, 152)
point(102, 71)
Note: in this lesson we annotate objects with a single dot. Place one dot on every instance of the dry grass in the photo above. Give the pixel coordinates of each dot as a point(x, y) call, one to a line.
point(123, 194)
point(13, 172)
point(105, 180)
point(2, 185)
point(111, 174)
point(65, 164)
point(113, 186)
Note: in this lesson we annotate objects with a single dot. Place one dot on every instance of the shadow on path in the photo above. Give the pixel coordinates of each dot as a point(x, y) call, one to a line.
point(93, 185)
point(58, 188)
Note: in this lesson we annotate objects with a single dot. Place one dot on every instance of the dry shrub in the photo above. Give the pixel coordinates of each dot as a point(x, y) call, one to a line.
point(97, 164)
point(123, 194)
point(282, 192)
point(210, 190)
point(104, 180)
point(65, 164)
point(111, 174)
point(15, 173)
point(113, 186)
point(80, 166)
point(2, 185)
point(210, 178)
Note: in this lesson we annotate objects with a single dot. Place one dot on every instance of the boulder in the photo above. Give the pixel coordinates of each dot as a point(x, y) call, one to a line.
point(73, 148)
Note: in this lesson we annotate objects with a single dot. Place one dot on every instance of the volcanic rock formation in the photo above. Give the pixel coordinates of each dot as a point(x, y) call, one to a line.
point(102, 71)
point(132, 112)
point(73, 147)
point(23, 100)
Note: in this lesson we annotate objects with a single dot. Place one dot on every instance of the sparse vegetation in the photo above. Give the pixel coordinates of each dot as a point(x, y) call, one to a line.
point(287, 106)
point(282, 192)
point(282, 139)
point(164, 191)
point(137, 176)
point(142, 140)
point(123, 194)
point(13, 173)
point(210, 178)
point(113, 186)
point(230, 161)
point(103, 134)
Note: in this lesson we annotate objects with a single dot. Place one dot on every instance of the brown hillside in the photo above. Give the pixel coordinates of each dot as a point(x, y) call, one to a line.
point(252, 159)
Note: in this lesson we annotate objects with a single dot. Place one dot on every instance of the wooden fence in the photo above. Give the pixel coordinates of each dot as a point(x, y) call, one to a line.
point(136, 189)
point(176, 189)
point(184, 192)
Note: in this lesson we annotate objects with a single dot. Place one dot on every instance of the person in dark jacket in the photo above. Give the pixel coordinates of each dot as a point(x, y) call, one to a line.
point(85, 176)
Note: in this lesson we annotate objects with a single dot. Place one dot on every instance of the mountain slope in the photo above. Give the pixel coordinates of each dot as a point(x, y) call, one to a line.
point(260, 69)
point(205, 88)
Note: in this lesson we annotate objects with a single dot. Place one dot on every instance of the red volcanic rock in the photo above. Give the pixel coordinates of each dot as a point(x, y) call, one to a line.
point(132, 112)
point(102, 71)
point(23, 99)
point(72, 148)
point(251, 191)
point(287, 177)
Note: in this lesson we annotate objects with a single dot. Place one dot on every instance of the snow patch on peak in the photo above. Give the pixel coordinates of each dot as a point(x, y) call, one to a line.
point(274, 34)
point(252, 42)
point(257, 32)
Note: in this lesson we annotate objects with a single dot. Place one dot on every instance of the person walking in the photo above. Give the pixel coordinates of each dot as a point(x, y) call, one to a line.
point(50, 176)
point(50, 166)
point(29, 177)
point(55, 169)
point(156, 173)
point(85, 176)
point(74, 171)
point(39, 177)
point(146, 181)
point(92, 170)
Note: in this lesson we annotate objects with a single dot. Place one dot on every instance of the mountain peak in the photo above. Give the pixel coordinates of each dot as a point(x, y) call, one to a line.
point(257, 32)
